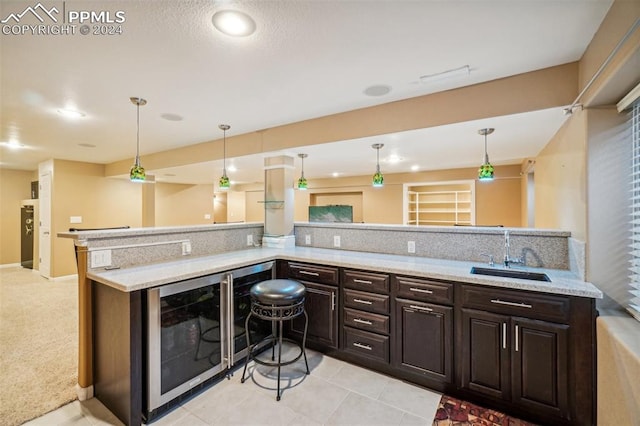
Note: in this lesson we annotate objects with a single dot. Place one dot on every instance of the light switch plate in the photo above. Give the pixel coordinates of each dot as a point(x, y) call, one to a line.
point(336, 240)
point(307, 239)
point(411, 246)
point(250, 239)
point(207, 216)
point(75, 219)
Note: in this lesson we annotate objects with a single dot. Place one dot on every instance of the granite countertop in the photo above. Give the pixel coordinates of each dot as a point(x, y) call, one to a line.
point(147, 276)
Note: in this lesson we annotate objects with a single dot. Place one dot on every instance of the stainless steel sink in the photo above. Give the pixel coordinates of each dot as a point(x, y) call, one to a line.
point(511, 273)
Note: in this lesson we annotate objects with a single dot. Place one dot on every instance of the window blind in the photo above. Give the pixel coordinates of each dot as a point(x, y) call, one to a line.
point(634, 301)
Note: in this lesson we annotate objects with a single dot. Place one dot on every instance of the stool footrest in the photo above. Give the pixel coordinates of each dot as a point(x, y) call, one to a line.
point(274, 339)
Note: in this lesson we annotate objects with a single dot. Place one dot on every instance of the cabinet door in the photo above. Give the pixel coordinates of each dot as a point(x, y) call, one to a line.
point(539, 365)
point(320, 304)
point(485, 355)
point(424, 334)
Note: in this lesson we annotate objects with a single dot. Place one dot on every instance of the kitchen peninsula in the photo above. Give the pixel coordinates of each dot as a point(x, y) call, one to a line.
point(423, 316)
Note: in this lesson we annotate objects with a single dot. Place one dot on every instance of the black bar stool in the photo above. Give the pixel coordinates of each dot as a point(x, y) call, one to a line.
point(276, 301)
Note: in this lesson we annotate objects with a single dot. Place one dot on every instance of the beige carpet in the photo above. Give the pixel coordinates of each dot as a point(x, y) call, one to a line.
point(38, 344)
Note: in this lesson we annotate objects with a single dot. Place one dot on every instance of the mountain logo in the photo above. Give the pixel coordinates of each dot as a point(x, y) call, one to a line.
point(38, 11)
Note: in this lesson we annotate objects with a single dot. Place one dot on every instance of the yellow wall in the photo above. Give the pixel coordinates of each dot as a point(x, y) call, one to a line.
point(15, 186)
point(560, 179)
point(80, 189)
point(178, 204)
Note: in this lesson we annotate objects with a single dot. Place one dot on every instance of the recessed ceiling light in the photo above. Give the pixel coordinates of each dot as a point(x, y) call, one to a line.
point(233, 23)
point(335, 174)
point(377, 90)
point(13, 144)
point(70, 113)
point(415, 168)
point(172, 117)
point(86, 145)
point(232, 168)
point(393, 159)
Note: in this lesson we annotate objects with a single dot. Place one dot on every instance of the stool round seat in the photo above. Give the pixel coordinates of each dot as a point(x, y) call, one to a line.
point(278, 292)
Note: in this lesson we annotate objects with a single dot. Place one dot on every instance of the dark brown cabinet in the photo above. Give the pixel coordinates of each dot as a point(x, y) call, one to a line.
point(514, 358)
point(424, 331)
point(321, 303)
point(366, 315)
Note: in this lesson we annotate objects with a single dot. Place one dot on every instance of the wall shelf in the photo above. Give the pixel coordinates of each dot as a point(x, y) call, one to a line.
point(440, 203)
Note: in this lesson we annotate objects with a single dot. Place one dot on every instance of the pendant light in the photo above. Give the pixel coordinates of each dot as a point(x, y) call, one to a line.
point(302, 182)
point(224, 183)
point(485, 172)
point(137, 173)
point(378, 179)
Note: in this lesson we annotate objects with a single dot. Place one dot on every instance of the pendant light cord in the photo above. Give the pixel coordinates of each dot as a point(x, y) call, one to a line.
point(224, 152)
point(378, 160)
point(486, 155)
point(138, 134)
point(302, 174)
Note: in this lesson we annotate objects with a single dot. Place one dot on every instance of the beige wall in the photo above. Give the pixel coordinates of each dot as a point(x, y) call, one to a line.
point(15, 186)
point(80, 189)
point(499, 199)
point(560, 179)
point(177, 204)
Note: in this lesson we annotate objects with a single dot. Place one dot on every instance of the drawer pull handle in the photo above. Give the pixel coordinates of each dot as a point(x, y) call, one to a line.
point(315, 274)
point(516, 338)
point(361, 321)
point(517, 304)
point(364, 302)
point(421, 308)
point(355, 280)
point(420, 290)
point(361, 346)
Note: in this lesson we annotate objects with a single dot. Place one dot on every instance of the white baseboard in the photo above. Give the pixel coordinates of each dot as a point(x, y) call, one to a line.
point(9, 265)
point(84, 393)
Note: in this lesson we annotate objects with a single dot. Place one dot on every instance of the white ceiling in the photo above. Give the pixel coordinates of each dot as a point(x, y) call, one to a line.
point(306, 59)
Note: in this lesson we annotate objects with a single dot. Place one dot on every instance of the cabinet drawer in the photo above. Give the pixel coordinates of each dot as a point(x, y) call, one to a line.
point(315, 273)
point(521, 303)
point(366, 321)
point(366, 344)
point(424, 289)
point(365, 281)
point(366, 301)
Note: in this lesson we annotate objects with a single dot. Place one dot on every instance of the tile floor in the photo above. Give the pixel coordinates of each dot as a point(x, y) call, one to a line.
point(335, 393)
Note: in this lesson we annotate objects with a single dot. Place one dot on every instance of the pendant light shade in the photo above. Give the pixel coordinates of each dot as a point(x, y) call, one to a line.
point(485, 172)
point(137, 173)
point(378, 179)
point(302, 182)
point(224, 182)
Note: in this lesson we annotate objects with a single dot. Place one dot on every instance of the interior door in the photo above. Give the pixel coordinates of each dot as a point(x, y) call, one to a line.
point(44, 233)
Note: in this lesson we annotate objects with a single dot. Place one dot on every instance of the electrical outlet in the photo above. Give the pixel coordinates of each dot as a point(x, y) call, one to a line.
point(186, 248)
point(307, 239)
point(207, 216)
point(75, 219)
point(336, 240)
point(411, 246)
point(250, 239)
point(100, 258)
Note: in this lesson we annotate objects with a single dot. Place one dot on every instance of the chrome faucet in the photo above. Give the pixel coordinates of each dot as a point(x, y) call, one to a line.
point(508, 260)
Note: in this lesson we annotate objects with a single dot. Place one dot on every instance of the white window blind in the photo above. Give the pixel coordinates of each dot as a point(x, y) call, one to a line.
point(634, 300)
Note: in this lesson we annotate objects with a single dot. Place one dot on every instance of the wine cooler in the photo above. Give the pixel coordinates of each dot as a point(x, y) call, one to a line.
point(196, 331)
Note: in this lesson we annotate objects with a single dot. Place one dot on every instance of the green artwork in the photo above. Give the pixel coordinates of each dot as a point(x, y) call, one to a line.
point(334, 213)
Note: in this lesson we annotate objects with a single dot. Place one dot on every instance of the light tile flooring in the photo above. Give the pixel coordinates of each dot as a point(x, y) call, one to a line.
point(335, 393)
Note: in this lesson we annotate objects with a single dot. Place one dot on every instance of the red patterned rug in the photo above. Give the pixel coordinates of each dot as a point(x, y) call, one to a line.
point(453, 411)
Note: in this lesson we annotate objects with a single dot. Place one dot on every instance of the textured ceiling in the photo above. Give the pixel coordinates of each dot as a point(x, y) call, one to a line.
point(306, 59)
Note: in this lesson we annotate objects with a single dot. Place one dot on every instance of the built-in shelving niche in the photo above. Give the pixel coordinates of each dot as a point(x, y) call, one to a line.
point(440, 203)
